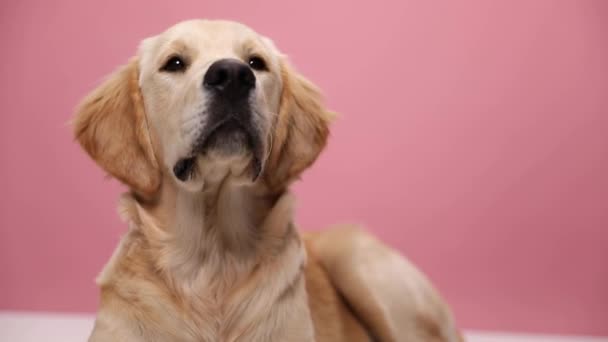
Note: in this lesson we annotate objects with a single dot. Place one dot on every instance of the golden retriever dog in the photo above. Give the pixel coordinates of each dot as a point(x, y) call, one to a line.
point(208, 126)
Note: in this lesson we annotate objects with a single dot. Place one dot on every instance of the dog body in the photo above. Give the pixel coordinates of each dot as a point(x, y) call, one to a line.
point(209, 126)
point(230, 297)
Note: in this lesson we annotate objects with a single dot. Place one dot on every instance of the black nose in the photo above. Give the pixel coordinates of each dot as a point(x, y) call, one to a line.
point(230, 77)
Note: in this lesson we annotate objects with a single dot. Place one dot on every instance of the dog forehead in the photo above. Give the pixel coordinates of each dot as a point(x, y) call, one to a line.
point(210, 26)
point(205, 39)
point(208, 34)
point(199, 37)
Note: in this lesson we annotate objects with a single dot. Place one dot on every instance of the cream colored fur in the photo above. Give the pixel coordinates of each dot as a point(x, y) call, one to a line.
point(217, 257)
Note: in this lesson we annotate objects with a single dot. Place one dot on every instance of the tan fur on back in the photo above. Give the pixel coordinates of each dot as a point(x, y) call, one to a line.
point(216, 256)
point(393, 299)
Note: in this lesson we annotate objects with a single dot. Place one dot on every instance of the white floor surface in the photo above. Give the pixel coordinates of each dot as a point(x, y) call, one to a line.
point(47, 327)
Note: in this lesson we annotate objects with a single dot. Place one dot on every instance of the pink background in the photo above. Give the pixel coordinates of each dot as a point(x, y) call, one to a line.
point(473, 137)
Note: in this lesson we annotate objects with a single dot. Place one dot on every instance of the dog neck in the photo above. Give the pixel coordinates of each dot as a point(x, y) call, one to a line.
point(222, 231)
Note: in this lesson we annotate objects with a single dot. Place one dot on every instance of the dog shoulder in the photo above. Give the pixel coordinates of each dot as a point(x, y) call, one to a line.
point(116, 316)
point(387, 293)
point(332, 319)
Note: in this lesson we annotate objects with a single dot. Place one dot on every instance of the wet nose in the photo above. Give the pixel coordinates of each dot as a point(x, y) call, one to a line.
point(229, 77)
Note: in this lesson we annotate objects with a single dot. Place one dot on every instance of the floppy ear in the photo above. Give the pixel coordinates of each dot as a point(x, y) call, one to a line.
point(300, 132)
point(110, 125)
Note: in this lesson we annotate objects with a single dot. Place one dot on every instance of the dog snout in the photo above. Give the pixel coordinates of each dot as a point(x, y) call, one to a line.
point(229, 77)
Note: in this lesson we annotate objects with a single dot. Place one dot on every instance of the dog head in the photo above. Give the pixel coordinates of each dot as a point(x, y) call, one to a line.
point(202, 102)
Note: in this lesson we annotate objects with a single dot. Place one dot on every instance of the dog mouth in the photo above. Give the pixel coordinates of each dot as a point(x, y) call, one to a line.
point(225, 138)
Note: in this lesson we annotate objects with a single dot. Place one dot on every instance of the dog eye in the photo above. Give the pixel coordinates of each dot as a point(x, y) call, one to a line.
point(174, 64)
point(257, 63)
